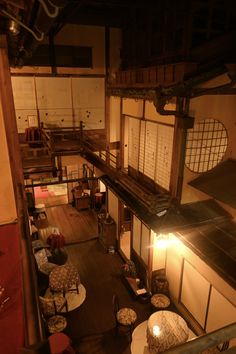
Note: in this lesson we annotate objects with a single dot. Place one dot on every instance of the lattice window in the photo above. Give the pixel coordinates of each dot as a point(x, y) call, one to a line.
point(206, 145)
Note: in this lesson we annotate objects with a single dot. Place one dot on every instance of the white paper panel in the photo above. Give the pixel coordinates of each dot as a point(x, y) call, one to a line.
point(88, 92)
point(56, 118)
point(221, 312)
point(53, 92)
point(24, 92)
point(145, 243)
point(164, 155)
point(142, 146)
point(92, 118)
point(195, 292)
point(136, 234)
point(150, 149)
point(25, 118)
point(113, 207)
point(134, 125)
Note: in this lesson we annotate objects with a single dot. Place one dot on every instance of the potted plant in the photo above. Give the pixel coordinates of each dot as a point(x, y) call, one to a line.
point(129, 269)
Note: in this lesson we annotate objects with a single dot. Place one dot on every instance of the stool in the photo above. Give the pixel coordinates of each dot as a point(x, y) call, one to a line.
point(56, 324)
point(40, 211)
point(60, 343)
point(160, 301)
point(98, 200)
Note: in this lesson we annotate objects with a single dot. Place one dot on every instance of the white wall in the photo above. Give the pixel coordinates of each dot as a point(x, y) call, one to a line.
point(113, 208)
point(90, 36)
point(59, 101)
point(194, 284)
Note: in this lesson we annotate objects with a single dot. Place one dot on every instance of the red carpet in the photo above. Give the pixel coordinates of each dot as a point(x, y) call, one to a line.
point(42, 193)
point(11, 314)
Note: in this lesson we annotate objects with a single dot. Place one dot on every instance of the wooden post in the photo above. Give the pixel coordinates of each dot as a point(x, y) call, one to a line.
point(33, 325)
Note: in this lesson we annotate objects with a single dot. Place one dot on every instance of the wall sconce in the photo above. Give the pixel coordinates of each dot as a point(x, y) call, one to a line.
point(163, 241)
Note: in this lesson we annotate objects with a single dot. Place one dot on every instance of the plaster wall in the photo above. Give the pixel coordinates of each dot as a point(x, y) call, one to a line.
point(151, 113)
point(90, 36)
point(132, 107)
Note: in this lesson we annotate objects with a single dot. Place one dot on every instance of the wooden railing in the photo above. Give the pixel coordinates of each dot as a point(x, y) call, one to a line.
point(209, 340)
point(153, 76)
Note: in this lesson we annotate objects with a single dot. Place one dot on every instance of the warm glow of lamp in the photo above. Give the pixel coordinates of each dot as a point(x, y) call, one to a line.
point(156, 331)
point(161, 241)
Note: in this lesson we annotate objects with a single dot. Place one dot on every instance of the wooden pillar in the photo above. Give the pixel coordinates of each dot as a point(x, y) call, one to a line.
point(33, 324)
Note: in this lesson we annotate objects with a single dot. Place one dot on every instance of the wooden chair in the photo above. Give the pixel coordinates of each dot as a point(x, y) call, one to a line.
point(53, 306)
point(125, 316)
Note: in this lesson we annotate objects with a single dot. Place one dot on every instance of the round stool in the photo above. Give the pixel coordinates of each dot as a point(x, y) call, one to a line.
point(160, 301)
point(60, 343)
point(56, 324)
point(40, 211)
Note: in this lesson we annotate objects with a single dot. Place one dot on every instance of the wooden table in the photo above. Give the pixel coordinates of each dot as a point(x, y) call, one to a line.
point(176, 324)
point(165, 329)
point(63, 278)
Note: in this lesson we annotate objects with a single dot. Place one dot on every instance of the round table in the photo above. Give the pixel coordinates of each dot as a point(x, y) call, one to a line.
point(139, 339)
point(165, 329)
point(64, 277)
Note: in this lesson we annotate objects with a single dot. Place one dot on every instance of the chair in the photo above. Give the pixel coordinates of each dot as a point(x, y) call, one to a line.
point(41, 258)
point(125, 316)
point(51, 306)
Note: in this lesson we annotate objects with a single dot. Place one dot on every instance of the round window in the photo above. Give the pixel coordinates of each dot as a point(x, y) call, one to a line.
point(206, 145)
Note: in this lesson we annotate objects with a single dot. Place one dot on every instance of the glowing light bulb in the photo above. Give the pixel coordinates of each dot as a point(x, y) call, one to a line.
point(156, 330)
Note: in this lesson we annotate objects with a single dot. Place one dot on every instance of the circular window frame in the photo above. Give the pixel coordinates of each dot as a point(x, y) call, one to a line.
point(206, 145)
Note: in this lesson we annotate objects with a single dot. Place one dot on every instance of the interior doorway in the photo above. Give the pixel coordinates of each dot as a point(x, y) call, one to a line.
point(51, 195)
point(125, 231)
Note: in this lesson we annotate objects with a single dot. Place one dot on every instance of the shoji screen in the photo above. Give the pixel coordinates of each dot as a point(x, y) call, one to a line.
point(150, 149)
point(136, 235)
point(164, 155)
point(142, 145)
point(134, 126)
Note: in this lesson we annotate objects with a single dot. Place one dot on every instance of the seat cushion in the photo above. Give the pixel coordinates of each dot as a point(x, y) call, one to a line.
point(126, 316)
point(47, 267)
point(41, 257)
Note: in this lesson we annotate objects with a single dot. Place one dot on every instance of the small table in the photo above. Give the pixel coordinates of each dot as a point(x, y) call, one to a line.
point(56, 324)
point(165, 330)
point(160, 301)
point(63, 278)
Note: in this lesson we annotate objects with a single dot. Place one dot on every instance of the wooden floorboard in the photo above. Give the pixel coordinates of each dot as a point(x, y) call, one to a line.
point(75, 225)
point(92, 325)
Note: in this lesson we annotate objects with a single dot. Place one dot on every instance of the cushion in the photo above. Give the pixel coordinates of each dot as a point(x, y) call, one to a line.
point(47, 304)
point(47, 267)
point(41, 257)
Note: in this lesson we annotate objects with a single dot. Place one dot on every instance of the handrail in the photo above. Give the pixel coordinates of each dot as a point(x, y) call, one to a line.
point(34, 330)
point(209, 340)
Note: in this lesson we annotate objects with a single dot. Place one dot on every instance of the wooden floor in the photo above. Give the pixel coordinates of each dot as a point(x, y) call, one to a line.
point(75, 225)
point(92, 326)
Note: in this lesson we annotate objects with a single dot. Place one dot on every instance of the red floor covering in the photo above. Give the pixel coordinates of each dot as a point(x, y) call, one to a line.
point(11, 313)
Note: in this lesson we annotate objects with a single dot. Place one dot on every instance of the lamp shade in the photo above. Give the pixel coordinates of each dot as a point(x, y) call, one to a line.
point(56, 241)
